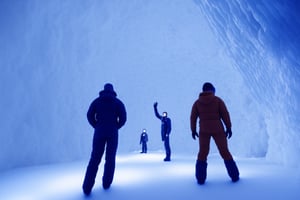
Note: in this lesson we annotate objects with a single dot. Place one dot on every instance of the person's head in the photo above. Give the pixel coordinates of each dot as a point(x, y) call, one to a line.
point(109, 87)
point(165, 114)
point(108, 91)
point(208, 87)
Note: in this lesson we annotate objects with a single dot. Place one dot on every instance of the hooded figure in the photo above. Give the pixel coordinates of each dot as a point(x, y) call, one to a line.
point(212, 113)
point(106, 115)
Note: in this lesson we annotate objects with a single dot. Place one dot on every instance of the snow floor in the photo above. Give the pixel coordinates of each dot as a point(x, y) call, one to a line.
point(146, 176)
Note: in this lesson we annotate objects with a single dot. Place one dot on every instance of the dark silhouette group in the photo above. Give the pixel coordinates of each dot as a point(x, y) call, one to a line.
point(107, 114)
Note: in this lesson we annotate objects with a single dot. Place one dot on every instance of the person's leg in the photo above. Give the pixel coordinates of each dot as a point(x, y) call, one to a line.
point(201, 164)
point(167, 149)
point(221, 143)
point(145, 147)
point(92, 168)
point(232, 170)
point(110, 160)
point(200, 172)
point(204, 142)
point(142, 147)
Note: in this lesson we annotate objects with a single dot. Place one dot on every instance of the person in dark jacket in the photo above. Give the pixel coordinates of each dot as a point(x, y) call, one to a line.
point(143, 141)
point(106, 115)
point(211, 111)
point(165, 131)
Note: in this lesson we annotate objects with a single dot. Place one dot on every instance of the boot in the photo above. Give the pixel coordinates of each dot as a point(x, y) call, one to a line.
point(201, 167)
point(232, 170)
point(168, 157)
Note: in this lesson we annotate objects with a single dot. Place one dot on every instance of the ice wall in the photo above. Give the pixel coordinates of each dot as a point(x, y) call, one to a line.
point(263, 39)
point(56, 55)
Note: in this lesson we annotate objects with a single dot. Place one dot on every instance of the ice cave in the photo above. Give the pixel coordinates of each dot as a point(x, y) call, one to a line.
point(57, 55)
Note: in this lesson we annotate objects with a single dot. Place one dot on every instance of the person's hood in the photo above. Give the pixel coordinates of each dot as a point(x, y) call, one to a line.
point(206, 97)
point(107, 93)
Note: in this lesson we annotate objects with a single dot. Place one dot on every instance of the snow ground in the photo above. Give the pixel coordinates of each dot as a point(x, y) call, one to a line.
point(146, 176)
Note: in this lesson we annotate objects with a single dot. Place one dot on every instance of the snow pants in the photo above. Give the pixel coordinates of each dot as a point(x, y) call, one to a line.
point(101, 143)
point(221, 142)
point(144, 147)
point(167, 148)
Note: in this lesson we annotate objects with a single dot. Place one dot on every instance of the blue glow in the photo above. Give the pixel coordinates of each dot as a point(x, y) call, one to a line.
point(55, 57)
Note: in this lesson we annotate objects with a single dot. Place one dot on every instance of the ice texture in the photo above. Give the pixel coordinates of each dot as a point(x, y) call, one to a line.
point(55, 56)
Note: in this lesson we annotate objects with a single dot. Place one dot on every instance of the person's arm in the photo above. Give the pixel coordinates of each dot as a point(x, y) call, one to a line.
point(156, 112)
point(225, 118)
point(193, 118)
point(122, 115)
point(224, 114)
point(91, 115)
point(169, 127)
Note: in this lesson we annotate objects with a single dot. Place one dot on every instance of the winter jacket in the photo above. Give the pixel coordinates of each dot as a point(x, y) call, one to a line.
point(144, 138)
point(211, 111)
point(107, 113)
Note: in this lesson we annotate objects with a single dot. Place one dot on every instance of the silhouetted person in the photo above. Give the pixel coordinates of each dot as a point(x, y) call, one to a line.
point(143, 141)
point(165, 131)
point(211, 111)
point(106, 115)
